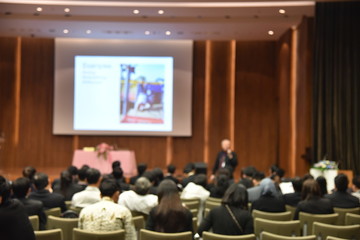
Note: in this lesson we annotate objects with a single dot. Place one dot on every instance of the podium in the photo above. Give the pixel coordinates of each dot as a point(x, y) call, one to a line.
point(127, 159)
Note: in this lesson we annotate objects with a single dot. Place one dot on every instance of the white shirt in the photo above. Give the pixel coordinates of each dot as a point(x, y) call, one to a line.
point(86, 197)
point(105, 216)
point(356, 194)
point(136, 202)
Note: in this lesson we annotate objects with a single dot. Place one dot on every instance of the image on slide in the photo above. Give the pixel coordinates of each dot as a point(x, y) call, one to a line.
point(142, 93)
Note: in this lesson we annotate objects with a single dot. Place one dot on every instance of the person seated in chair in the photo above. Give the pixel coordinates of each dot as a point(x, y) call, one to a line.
point(106, 215)
point(294, 198)
point(269, 200)
point(49, 200)
point(340, 198)
point(21, 189)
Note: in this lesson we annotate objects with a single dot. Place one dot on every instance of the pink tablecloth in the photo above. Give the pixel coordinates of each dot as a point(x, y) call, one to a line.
point(127, 159)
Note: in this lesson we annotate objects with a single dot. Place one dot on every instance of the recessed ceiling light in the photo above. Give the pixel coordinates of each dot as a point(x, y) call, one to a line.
point(282, 11)
point(271, 32)
point(147, 32)
point(66, 31)
point(88, 31)
point(66, 10)
point(39, 9)
point(168, 33)
point(136, 11)
point(161, 12)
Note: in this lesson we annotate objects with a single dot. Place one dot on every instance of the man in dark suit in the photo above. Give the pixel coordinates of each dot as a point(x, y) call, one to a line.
point(21, 188)
point(141, 168)
point(340, 198)
point(14, 222)
point(49, 200)
point(170, 175)
point(189, 172)
point(294, 198)
point(226, 158)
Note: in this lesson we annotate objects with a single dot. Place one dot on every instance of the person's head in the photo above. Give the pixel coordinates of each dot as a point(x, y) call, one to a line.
point(73, 171)
point(201, 180)
point(118, 173)
point(141, 168)
point(29, 172)
point(322, 184)
point(248, 172)
point(167, 188)
point(258, 176)
point(109, 188)
point(225, 144)
point(268, 188)
point(159, 175)
point(41, 180)
point(356, 183)
point(297, 184)
point(310, 189)
point(21, 187)
point(5, 190)
point(341, 182)
point(236, 196)
point(307, 176)
point(92, 176)
point(277, 175)
point(224, 171)
point(171, 169)
point(116, 164)
point(82, 172)
point(142, 186)
point(190, 167)
point(222, 184)
point(65, 180)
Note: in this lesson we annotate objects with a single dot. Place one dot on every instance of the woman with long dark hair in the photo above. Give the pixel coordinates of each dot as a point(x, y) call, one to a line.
point(170, 216)
point(232, 217)
point(67, 187)
point(312, 200)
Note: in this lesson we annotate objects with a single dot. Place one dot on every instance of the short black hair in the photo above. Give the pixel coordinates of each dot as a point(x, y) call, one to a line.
point(92, 175)
point(189, 167)
point(249, 171)
point(21, 187)
point(41, 180)
point(341, 182)
point(201, 180)
point(141, 168)
point(5, 190)
point(73, 170)
point(29, 172)
point(82, 172)
point(118, 173)
point(259, 176)
point(171, 169)
point(356, 181)
point(297, 184)
point(108, 187)
point(116, 164)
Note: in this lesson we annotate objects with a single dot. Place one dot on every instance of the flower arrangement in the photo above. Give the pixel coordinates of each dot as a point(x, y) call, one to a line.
point(325, 165)
point(102, 150)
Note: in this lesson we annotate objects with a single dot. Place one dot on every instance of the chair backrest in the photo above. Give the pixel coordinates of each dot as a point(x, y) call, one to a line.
point(334, 238)
point(307, 220)
point(351, 219)
point(195, 224)
point(285, 228)
point(192, 204)
point(34, 220)
point(291, 209)
point(79, 234)
point(194, 212)
point(281, 216)
point(272, 236)
point(213, 236)
point(68, 204)
point(206, 212)
point(65, 224)
point(53, 212)
point(342, 212)
point(212, 199)
point(53, 234)
point(151, 235)
point(139, 222)
point(210, 204)
point(322, 230)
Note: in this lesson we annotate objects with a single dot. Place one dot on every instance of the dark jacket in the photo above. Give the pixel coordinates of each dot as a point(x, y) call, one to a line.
point(269, 204)
point(70, 191)
point(35, 207)
point(314, 206)
point(49, 200)
point(230, 163)
point(14, 222)
point(221, 222)
point(292, 199)
point(343, 200)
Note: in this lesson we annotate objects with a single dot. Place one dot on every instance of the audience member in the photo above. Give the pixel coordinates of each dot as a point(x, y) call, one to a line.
point(220, 186)
point(189, 173)
point(141, 168)
point(322, 184)
point(232, 217)
point(269, 200)
point(340, 198)
point(49, 200)
point(91, 194)
point(118, 175)
point(158, 176)
point(139, 199)
point(247, 174)
point(73, 172)
point(29, 172)
point(356, 186)
point(312, 202)
point(21, 188)
point(82, 176)
point(14, 222)
point(106, 215)
point(170, 174)
point(294, 198)
point(254, 193)
point(170, 216)
point(67, 187)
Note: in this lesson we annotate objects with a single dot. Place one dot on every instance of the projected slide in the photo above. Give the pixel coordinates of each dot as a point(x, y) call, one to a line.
point(123, 93)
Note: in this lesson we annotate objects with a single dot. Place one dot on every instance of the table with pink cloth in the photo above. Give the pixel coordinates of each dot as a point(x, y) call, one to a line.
point(127, 159)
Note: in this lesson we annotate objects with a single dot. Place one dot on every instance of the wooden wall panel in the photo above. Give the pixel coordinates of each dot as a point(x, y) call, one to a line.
point(256, 105)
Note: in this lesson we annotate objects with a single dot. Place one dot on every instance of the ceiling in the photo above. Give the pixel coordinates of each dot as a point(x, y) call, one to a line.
point(145, 19)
